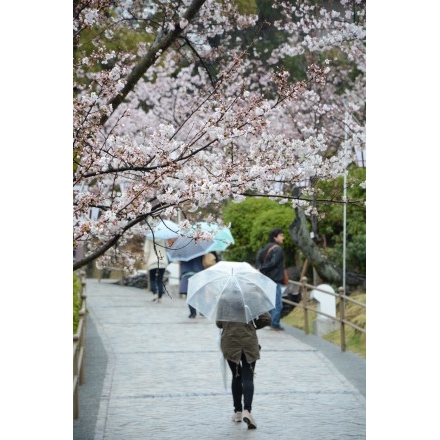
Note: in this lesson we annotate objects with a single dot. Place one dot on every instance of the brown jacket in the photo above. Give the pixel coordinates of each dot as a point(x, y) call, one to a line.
point(238, 336)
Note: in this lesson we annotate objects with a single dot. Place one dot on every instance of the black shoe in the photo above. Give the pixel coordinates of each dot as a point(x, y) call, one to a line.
point(191, 316)
point(277, 328)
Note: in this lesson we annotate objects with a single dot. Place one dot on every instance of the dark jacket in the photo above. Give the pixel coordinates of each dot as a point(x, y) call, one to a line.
point(273, 265)
point(188, 269)
point(238, 336)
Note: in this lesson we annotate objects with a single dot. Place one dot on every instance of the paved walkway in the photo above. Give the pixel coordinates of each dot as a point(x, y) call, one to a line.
point(152, 373)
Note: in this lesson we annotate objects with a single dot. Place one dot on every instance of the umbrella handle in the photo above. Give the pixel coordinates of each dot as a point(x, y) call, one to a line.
point(223, 363)
point(219, 336)
point(246, 307)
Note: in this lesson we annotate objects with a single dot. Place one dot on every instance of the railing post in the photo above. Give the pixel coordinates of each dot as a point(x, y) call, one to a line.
point(75, 377)
point(305, 300)
point(82, 341)
point(341, 294)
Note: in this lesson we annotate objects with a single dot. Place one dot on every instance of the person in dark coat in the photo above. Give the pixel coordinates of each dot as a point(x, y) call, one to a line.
point(240, 347)
point(270, 262)
point(188, 269)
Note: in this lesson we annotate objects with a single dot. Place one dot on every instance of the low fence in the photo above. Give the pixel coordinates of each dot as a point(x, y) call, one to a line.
point(115, 272)
point(305, 290)
point(79, 343)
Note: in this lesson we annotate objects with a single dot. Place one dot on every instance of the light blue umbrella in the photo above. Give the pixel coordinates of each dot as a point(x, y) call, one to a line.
point(164, 230)
point(186, 248)
point(222, 237)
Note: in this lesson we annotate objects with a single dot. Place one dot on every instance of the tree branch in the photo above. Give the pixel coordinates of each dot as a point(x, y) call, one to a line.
point(110, 243)
point(158, 47)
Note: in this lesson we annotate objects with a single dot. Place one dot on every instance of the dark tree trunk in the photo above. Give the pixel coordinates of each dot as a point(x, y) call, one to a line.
point(300, 235)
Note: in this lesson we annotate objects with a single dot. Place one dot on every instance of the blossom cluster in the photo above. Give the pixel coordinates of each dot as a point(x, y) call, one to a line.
point(190, 116)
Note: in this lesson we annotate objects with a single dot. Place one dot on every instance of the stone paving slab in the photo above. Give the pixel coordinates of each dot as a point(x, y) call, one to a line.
point(163, 378)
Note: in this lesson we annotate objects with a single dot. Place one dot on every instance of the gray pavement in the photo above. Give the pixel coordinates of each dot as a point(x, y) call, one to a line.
point(152, 373)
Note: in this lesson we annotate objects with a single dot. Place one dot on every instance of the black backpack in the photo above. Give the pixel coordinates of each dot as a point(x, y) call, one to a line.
point(262, 254)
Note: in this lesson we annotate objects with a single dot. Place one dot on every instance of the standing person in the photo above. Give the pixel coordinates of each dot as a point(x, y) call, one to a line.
point(240, 347)
point(188, 269)
point(270, 262)
point(156, 260)
point(191, 267)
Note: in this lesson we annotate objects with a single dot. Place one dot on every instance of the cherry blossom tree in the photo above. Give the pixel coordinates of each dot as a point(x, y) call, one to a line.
point(178, 107)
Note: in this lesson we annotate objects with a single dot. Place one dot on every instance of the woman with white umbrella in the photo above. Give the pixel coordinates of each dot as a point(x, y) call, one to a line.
point(238, 297)
point(240, 347)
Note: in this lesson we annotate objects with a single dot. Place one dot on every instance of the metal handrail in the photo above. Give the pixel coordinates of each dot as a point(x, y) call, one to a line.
point(305, 291)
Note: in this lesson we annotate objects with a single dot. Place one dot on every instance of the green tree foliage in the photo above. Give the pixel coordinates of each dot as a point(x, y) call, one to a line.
point(331, 225)
point(269, 38)
point(251, 221)
point(246, 6)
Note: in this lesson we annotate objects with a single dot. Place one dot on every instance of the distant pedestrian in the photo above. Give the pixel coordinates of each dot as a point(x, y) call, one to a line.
point(187, 270)
point(270, 262)
point(240, 347)
point(156, 261)
point(191, 267)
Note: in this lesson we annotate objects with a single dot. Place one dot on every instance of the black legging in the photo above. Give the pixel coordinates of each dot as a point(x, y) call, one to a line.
point(242, 383)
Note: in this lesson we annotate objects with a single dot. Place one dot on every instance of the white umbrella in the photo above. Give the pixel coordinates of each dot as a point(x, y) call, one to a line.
point(231, 291)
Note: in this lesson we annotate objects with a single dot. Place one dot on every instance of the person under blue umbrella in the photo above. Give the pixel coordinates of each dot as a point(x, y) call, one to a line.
point(191, 267)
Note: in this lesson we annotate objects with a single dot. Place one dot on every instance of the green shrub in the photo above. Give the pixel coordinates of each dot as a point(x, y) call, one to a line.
point(77, 302)
point(251, 221)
